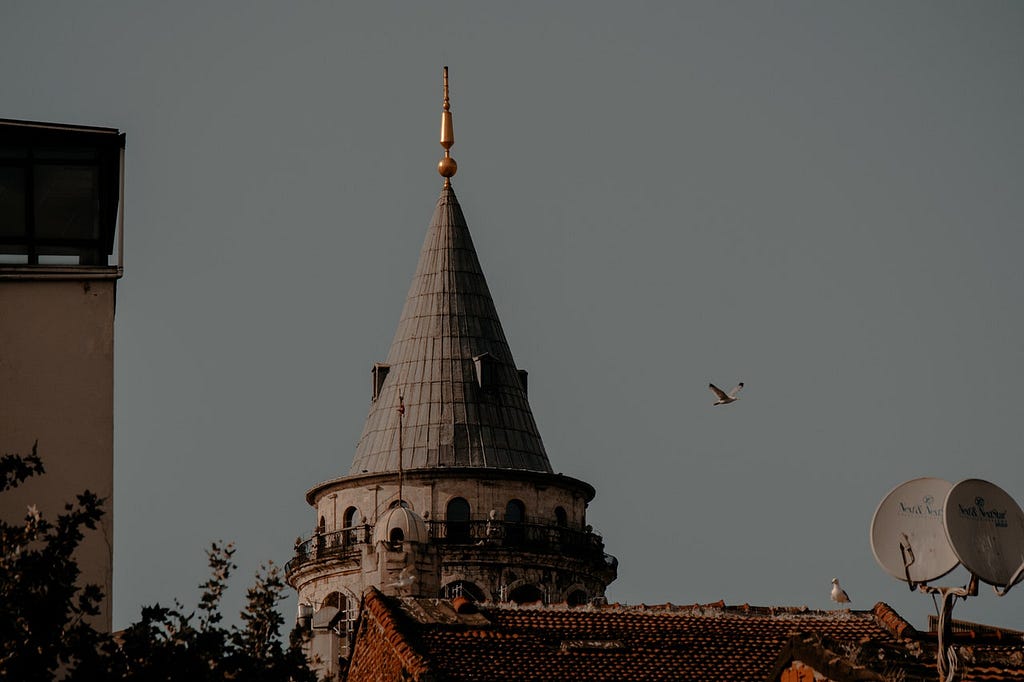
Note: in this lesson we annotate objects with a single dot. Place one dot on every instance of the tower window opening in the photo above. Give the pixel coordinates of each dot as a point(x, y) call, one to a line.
point(524, 380)
point(396, 537)
point(577, 598)
point(457, 520)
point(515, 517)
point(486, 366)
point(379, 373)
point(526, 594)
point(561, 518)
point(463, 588)
point(348, 522)
point(515, 511)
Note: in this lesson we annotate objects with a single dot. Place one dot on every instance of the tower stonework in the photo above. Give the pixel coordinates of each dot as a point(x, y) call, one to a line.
point(450, 492)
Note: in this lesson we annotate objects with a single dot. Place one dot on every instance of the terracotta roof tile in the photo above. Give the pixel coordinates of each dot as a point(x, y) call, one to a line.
point(668, 642)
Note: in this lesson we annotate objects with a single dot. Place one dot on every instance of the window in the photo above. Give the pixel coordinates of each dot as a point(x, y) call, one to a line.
point(59, 193)
point(486, 370)
point(463, 588)
point(380, 373)
point(396, 536)
point(457, 520)
point(577, 598)
point(526, 594)
point(515, 517)
point(515, 511)
point(349, 520)
point(561, 518)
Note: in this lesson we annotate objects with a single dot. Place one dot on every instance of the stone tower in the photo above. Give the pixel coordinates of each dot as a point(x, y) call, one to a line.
point(450, 492)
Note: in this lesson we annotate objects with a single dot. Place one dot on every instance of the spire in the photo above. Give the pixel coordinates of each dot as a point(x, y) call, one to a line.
point(463, 401)
point(447, 166)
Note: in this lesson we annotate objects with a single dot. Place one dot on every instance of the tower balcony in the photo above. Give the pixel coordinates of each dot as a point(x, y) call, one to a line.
point(346, 544)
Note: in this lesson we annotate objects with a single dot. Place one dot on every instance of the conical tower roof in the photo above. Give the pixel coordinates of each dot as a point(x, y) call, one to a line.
point(465, 400)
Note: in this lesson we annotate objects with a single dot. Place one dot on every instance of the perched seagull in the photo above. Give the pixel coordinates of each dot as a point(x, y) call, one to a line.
point(839, 594)
point(723, 397)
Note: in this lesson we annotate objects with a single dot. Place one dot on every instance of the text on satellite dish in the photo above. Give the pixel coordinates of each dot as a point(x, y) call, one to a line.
point(925, 508)
point(978, 511)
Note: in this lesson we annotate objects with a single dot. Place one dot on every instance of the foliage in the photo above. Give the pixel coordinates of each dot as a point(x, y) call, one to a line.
point(45, 632)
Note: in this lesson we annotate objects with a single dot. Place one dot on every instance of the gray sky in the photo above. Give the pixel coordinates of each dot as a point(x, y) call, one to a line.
point(824, 200)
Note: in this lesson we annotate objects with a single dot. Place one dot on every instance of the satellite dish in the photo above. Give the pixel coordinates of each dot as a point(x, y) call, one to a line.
point(911, 516)
point(985, 527)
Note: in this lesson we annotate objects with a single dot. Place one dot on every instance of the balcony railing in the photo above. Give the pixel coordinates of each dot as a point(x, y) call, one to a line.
point(534, 537)
point(340, 544)
point(531, 537)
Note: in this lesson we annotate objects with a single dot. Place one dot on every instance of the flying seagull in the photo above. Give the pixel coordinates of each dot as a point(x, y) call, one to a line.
point(839, 594)
point(723, 397)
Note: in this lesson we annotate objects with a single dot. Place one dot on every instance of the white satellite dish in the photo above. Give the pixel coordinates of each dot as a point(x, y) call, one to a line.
point(907, 536)
point(985, 527)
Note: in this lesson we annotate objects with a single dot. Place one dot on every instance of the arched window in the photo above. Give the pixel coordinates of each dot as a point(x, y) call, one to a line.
point(457, 520)
point(577, 598)
point(462, 588)
point(515, 517)
point(349, 521)
point(320, 540)
point(515, 511)
point(396, 536)
point(526, 594)
point(397, 502)
point(561, 518)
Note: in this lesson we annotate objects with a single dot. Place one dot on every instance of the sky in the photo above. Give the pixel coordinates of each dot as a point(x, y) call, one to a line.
point(823, 200)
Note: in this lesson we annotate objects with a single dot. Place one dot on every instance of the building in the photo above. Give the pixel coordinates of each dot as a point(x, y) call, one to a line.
point(451, 492)
point(61, 202)
point(421, 640)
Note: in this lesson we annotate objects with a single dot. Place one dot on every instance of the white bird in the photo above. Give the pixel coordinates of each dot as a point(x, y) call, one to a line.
point(405, 579)
point(723, 397)
point(839, 594)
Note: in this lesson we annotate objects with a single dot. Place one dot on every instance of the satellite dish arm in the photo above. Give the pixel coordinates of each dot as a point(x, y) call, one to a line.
point(907, 552)
point(1014, 579)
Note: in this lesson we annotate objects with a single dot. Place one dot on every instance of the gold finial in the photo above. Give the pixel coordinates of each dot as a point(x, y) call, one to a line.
point(447, 166)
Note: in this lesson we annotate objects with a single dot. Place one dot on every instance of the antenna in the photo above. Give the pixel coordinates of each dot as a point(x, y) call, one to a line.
point(401, 415)
point(907, 535)
point(985, 528)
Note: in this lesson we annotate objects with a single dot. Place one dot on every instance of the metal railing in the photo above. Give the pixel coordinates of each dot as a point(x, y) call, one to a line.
point(535, 537)
point(340, 544)
point(532, 537)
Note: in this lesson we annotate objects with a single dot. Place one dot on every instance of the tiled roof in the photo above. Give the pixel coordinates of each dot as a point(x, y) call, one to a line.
point(448, 320)
point(427, 640)
point(611, 643)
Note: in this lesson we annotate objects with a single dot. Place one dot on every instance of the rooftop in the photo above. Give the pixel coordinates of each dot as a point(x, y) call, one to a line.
point(428, 639)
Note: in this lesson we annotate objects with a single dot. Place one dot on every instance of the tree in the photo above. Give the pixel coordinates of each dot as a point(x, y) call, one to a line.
point(44, 627)
point(43, 612)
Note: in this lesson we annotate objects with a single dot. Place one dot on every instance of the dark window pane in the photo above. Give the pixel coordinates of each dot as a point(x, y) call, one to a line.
point(65, 153)
point(12, 202)
point(66, 202)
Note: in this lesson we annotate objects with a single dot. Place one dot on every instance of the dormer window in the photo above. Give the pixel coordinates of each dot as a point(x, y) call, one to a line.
point(523, 376)
point(486, 370)
point(380, 373)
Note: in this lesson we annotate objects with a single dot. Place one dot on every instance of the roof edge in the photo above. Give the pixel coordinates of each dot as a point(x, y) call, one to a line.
point(892, 621)
point(435, 473)
point(376, 606)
